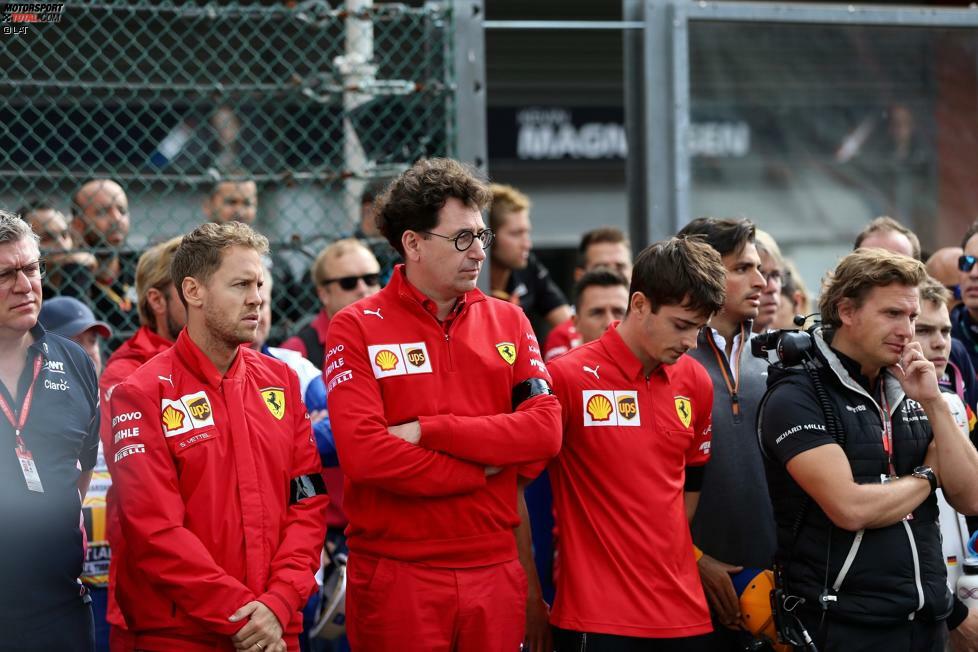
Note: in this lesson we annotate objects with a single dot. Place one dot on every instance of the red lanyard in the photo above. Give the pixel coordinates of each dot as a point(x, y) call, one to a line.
point(25, 409)
point(887, 427)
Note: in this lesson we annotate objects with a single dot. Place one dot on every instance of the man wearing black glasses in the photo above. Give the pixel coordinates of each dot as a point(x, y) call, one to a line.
point(964, 317)
point(49, 429)
point(439, 402)
point(344, 272)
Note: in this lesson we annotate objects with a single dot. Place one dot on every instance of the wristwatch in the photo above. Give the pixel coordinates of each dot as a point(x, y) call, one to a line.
point(926, 473)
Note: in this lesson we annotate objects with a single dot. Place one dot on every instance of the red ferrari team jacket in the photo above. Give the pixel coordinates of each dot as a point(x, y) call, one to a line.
point(134, 352)
point(213, 478)
point(390, 361)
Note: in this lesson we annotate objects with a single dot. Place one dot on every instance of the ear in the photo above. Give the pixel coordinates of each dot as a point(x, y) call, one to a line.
point(156, 301)
point(321, 293)
point(193, 291)
point(847, 311)
point(205, 205)
point(578, 273)
point(639, 303)
point(411, 241)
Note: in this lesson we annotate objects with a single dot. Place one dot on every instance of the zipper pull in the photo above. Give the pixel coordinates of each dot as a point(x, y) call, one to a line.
point(735, 403)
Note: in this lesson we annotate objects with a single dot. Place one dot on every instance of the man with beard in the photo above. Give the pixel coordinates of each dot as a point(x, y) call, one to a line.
point(439, 405)
point(221, 502)
point(100, 221)
point(734, 525)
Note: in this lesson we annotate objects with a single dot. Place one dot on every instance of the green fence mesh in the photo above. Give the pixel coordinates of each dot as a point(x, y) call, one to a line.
point(173, 100)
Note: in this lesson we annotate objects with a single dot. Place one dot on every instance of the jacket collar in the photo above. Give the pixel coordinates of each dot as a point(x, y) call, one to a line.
point(400, 285)
point(623, 357)
point(199, 365)
point(894, 392)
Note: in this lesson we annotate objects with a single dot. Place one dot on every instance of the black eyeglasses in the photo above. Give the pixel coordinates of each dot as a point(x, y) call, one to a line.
point(33, 271)
point(967, 263)
point(350, 282)
point(465, 239)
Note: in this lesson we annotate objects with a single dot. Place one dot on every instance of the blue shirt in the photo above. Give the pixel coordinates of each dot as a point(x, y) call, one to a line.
point(40, 534)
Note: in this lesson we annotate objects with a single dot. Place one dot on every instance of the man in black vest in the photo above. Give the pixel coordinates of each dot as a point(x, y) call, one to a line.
point(856, 446)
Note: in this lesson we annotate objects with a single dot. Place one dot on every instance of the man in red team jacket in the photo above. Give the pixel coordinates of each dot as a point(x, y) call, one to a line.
point(161, 317)
point(439, 400)
point(216, 472)
point(637, 415)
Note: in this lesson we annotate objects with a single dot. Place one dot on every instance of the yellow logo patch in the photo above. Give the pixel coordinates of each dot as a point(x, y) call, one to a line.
point(172, 418)
point(274, 398)
point(599, 407)
point(684, 410)
point(386, 360)
point(507, 351)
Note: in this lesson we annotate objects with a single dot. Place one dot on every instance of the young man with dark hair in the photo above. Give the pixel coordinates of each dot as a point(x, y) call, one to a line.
point(606, 247)
point(629, 583)
point(220, 497)
point(601, 297)
point(734, 525)
point(438, 405)
point(232, 198)
point(857, 446)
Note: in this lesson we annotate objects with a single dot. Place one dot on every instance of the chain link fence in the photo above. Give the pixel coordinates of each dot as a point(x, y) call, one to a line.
point(280, 113)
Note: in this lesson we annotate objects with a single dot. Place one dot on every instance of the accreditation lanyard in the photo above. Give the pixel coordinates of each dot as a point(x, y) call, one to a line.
point(887, 428)
point(27, 466)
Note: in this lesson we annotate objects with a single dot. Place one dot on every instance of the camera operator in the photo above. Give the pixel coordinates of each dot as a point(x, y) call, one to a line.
point(858, 439)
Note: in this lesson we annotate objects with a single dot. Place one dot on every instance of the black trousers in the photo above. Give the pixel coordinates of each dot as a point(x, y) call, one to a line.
point(833, 635)
point(566, 640)
point(66, 630)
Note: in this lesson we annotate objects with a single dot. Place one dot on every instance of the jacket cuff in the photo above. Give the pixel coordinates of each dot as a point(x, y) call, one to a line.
point(283, 601)
point(959, 611)
point(436, 433)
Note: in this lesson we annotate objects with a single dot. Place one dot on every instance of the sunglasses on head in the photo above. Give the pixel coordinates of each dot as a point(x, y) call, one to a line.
point(350, 282)
point(967, 263)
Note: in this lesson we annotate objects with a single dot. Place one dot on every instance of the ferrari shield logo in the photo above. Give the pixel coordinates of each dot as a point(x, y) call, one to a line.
point(274, 398)
point(684, 410)
point(507, 351)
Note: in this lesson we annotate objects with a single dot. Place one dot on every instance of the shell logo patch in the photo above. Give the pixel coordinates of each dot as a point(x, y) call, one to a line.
point(610, 407)
point(274, 398)
point(389, 359)
point(175, 418)
point(507, 351)
point(172, 419)
point(599, 408)
point(684, 410)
